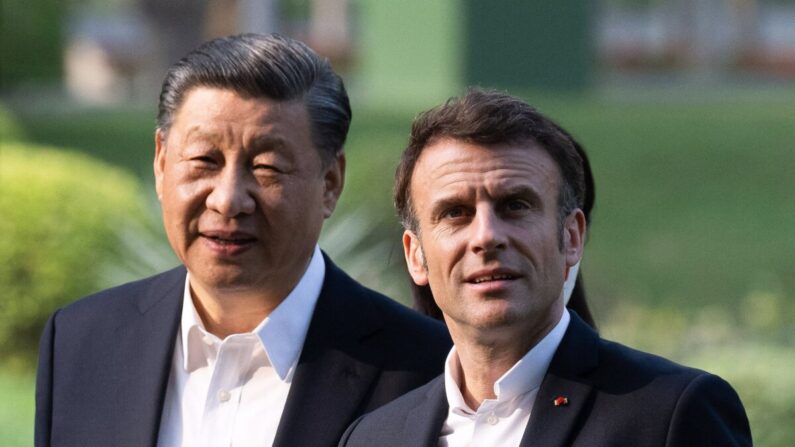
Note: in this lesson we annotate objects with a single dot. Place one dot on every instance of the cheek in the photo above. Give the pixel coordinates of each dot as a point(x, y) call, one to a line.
point(183, 203)
point(443, 255)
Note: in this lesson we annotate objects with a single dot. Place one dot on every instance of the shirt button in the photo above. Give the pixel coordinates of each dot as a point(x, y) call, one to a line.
point(224, 395)
point(492, 420)
point(207, 340)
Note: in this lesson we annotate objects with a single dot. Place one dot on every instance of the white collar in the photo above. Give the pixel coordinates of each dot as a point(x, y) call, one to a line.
point(282, 333)
point(524, 376)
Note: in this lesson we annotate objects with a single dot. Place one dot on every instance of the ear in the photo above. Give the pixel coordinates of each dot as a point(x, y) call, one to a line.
point(160, 161)
point(574, 229)
point(415, 258)
point(333, 181)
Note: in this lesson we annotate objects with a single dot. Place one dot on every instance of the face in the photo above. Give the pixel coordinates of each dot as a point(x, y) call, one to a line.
point(489, 237)
point(243, 191)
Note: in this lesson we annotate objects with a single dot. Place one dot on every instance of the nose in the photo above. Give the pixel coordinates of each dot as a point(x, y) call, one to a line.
point(488, 233)
point(231, 194)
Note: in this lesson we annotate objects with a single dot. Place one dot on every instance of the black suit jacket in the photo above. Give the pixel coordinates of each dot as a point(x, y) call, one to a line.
point(104, 363)
point(616, 397)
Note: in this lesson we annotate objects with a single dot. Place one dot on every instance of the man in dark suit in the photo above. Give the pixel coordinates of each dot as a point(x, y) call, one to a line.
point(491, 193)
point(258, 339)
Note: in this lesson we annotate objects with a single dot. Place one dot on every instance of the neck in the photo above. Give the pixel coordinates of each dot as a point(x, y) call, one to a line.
point(486, 355)
point(224, 314)
point(480, 369)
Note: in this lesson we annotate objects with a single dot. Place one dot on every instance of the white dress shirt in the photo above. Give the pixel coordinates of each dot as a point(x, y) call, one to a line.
point(232, 392)
point(500, 421)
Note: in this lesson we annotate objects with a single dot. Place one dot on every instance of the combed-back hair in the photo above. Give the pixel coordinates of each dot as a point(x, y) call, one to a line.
point(264, 66)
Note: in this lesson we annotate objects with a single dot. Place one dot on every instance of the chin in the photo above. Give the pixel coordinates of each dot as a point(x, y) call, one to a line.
point(225, 277)
point(496, 317)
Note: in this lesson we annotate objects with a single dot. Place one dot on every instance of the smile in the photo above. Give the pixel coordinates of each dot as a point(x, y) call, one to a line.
point(500, 277)
point(232, 240)
point(228, 243)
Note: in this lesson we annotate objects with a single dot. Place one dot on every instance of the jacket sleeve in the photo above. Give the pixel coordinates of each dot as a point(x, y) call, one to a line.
point(44, 385)
point(709, 412)
point(344, 441)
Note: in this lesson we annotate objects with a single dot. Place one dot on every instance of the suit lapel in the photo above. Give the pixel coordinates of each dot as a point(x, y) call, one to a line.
point(424, 423)
point(143, 360)
point(337, 366)
point(554, 425)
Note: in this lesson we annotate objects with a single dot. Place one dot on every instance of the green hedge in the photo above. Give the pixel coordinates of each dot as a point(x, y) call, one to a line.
point(71, 225)
point(10, 129)
point(31, 41)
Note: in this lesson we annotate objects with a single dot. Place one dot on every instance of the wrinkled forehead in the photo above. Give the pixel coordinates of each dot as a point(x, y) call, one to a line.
point(451, 166)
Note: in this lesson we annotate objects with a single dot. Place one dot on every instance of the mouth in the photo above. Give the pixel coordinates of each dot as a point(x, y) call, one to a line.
point(228, 242)
point(491, 276)
point(228, 236)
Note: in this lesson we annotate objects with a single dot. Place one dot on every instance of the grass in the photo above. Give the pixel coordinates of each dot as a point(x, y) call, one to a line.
point(16, 413)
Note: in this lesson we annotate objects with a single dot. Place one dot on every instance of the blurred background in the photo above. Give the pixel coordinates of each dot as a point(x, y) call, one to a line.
point(686, 108)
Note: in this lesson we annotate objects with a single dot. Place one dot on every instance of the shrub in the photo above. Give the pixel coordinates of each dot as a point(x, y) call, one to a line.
point(71, 225)
point(9, 127)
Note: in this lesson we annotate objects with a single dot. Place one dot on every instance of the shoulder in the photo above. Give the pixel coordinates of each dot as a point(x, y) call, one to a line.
point(398, 324)
point(387, 425)
point(614, 367)
point(120, 300)
point(689, 405)
point(628, 367)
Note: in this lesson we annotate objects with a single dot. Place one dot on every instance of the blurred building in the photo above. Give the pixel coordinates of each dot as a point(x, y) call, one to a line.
point(418, 52)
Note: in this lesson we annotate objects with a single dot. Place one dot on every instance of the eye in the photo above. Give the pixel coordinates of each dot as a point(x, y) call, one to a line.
point(203, 161)
point(454, 212)
point(265, 166)
point(516, 205)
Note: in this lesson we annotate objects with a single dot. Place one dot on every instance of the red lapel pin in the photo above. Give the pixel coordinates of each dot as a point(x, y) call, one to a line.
point(561, 401)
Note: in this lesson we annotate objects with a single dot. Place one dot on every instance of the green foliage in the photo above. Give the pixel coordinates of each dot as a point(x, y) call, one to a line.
point(10, 129)
point(121, 137)
point(66, 222)
point(688, 257)
point(757, 363)
point(762, 376)
point(31, 39)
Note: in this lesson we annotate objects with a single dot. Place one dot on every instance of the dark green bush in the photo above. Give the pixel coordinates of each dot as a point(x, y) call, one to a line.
point(9, 127)
point(70, 225)
point(31, 41)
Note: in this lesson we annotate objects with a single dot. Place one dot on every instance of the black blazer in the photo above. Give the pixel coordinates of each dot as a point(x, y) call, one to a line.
point(616, 397)
point(104, 363)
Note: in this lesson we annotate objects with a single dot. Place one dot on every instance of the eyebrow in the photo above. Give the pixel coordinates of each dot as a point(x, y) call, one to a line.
point(199, 133)
point(520, 191)
point(456, 199)
point(268, 142)
point(448, 201)
point(260, 143)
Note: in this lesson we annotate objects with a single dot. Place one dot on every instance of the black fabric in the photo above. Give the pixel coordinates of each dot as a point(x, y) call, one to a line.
point(104, 363)
point(617, 396)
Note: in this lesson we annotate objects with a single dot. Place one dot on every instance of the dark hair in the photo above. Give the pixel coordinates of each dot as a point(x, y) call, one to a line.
point(424, 133)
point(260, 66)
point(490, 118)
point(578, 301)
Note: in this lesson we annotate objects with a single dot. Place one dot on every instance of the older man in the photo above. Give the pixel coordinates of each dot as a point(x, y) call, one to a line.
point(490, 192)
point(259, 339)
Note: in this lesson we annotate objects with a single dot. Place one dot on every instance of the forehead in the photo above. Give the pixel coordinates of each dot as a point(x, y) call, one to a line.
point(210, 109)
point(450, 166)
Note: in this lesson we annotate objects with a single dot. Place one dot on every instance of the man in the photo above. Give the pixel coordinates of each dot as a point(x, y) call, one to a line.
point(491, 194)
point(259, 339)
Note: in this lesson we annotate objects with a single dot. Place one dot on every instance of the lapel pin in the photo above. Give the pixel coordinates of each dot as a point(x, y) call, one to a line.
point(561, 401)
